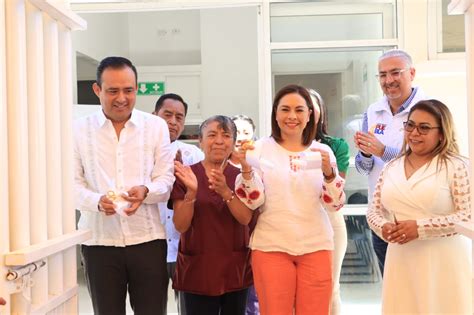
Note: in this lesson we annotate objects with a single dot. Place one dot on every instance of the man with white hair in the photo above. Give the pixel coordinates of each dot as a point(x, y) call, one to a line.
point(381, 137)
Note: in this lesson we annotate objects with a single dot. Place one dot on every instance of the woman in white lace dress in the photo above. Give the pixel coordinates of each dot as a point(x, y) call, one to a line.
point(418, 198)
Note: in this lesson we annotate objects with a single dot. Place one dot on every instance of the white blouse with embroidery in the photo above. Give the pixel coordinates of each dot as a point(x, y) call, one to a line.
point(293, 217)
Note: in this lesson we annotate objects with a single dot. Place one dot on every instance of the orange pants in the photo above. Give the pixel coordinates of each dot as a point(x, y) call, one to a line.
point(285, 282)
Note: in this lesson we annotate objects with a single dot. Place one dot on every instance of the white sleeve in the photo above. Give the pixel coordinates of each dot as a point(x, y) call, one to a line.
point(162, 177)
point(250, 192)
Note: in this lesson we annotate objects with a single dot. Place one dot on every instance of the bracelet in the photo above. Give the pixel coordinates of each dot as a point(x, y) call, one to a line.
point(330, 177)
point(246, 172)
point(186, 199)
point(230, 199)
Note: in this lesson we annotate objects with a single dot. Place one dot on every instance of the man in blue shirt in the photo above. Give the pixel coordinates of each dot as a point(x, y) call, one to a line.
point(381, 137)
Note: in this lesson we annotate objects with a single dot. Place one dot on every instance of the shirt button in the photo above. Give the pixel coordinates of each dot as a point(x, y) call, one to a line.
point(169, 217)
point(169, 240)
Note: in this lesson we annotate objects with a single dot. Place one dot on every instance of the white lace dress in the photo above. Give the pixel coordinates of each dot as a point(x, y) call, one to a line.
point(432, 274)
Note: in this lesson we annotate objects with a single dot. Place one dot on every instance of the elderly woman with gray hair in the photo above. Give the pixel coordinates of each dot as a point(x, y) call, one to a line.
point(213, 266)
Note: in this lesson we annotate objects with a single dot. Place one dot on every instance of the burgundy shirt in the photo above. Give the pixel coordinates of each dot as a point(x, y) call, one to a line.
point(213, 254)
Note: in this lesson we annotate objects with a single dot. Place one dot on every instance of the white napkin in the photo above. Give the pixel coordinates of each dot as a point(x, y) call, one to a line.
point(120, 203)
point(312, 160)
point(254, 159)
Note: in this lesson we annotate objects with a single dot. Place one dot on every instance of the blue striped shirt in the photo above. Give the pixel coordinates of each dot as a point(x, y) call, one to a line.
point(365, 164)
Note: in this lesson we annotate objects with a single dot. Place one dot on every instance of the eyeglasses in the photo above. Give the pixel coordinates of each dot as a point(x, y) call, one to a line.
point(394, 74)
point(423, 128)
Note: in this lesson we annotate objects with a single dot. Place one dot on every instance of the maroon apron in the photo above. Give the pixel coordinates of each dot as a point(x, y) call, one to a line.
point(213, 254)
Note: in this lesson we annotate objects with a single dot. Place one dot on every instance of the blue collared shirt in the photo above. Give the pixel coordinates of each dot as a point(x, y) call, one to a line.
point(364, 164)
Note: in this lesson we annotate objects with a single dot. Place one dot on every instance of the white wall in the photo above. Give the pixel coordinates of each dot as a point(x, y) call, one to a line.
point(165, 38)
point(85, 67)
point(229, 62)
point(106, 35)
point(182, 80)
point(445, 80)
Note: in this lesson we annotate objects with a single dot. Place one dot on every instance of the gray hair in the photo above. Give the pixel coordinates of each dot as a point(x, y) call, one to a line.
point(225, 123)
point(399, 54)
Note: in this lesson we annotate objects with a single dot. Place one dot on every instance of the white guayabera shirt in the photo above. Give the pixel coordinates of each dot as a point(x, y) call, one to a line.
point(142, 156)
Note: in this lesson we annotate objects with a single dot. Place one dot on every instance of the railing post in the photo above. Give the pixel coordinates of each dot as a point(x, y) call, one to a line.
point(37, 144)
point(4, 191)
point(17, 115)
point(53, 148)
point(69, 213)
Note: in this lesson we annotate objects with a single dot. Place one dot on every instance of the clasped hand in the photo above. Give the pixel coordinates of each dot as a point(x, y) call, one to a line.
point(135, 196)
point(401, 232)
point(217, 181)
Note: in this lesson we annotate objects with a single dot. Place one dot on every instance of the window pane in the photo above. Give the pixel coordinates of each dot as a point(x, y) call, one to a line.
point(453, 31)
point(327, 20)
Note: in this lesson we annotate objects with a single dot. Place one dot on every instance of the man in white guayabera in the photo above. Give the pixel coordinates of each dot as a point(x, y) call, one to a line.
point(123, 168)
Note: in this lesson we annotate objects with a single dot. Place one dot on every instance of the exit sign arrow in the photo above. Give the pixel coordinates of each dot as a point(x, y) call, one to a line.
point(151, 88)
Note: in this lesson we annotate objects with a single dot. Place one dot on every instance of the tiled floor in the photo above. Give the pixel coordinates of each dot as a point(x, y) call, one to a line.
point(85, 305)
point(357, 298)
point(361, 298)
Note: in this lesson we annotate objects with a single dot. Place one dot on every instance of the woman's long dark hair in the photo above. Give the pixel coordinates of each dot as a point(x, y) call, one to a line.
point(310, 130)
point(321, 124)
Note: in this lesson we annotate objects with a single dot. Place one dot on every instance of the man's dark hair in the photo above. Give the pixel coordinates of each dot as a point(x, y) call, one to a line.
point(114, 63)
point(164, 97)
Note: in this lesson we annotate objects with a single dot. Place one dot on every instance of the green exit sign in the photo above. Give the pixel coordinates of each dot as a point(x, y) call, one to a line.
point(151, 88)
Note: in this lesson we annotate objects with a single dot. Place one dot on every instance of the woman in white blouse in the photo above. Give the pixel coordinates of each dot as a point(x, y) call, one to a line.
point(418, 198)
point(293, 240)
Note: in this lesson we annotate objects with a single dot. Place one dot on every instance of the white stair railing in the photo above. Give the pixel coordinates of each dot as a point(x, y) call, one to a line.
point(37, 217)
